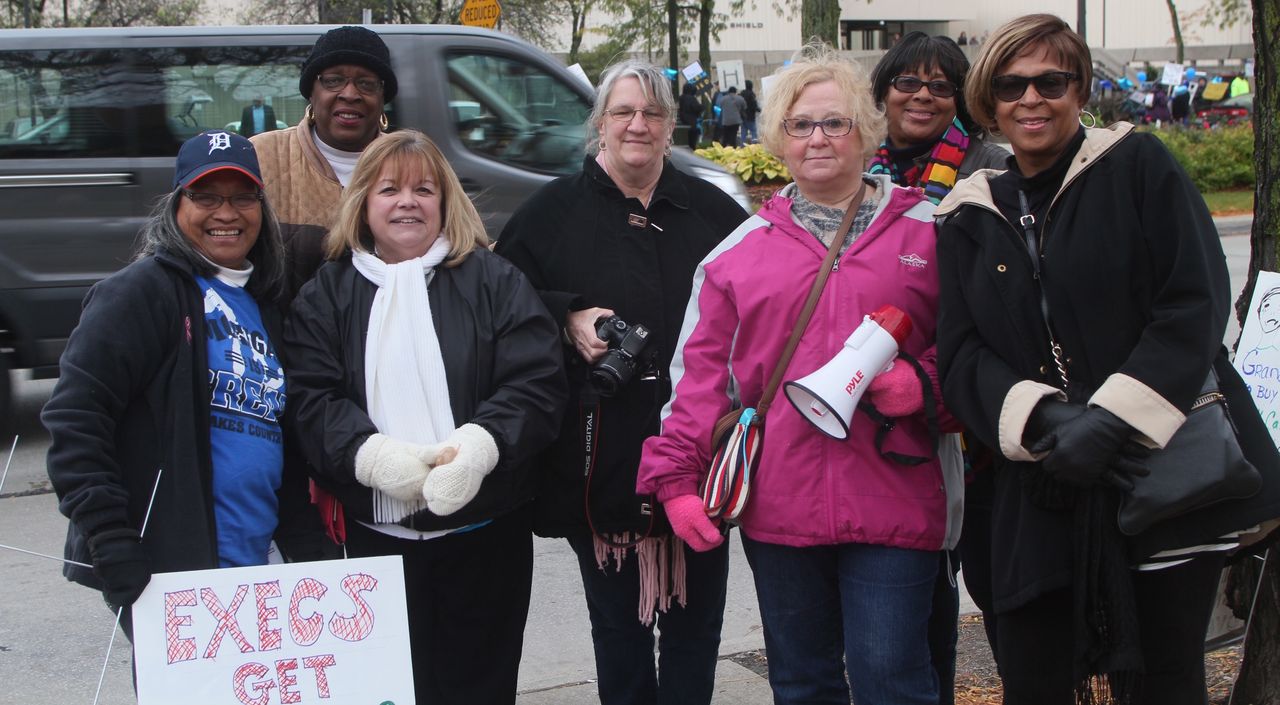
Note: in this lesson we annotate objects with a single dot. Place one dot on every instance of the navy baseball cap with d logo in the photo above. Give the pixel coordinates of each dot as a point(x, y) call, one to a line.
point(213, 151)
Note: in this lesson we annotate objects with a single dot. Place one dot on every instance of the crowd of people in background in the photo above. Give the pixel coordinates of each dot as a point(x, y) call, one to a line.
point(321, 346)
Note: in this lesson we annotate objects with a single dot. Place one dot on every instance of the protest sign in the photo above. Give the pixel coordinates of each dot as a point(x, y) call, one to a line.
point(322, 632)
point(1258, 357)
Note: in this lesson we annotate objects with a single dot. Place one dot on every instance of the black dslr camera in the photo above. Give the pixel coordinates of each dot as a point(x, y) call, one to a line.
point(626, 345)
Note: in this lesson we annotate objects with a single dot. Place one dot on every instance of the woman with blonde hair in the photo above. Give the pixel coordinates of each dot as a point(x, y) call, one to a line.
point(427, 376)
point(1084, 301)
point(619, 241)
point(843, 542)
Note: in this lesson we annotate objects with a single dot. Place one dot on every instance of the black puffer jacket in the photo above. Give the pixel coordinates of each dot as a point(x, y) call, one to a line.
point(577, 242)
point(132, 398)
point(502, 361)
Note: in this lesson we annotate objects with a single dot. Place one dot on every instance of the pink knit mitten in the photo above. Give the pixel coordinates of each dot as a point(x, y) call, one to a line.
point(689, 521)
point(897, 392)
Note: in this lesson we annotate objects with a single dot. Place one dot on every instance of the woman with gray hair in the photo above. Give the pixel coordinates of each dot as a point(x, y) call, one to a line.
point(171, 385)
point(612, 251)
point(843, 539)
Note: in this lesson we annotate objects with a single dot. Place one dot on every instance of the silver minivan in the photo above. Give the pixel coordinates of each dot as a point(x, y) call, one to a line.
point(90, 120)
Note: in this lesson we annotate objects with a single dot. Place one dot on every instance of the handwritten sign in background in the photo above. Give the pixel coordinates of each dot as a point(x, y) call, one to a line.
point(1258, 357)
point(324, 632)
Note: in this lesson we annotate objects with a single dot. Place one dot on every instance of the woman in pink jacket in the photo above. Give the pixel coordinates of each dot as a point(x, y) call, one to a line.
point(843, 542)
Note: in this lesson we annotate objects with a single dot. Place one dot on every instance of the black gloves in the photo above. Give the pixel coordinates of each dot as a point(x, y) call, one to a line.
point(121, 563)
point(1090, 449)
point(1047, 415)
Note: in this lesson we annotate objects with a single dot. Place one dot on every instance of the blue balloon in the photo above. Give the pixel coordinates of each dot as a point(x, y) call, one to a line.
point(1142, 76)
point(1190, 72)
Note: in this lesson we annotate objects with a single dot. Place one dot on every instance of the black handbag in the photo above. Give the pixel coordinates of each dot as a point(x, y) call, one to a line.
point(1201, 465)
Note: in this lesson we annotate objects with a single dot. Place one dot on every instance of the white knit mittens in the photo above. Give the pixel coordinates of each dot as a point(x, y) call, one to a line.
point(395, 468)
point(450, 486)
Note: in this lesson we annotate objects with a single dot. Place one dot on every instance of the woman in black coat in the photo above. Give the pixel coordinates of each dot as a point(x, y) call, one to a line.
point(427, 376)
point(1073, 390)
point(622, 239)
point(137, 411)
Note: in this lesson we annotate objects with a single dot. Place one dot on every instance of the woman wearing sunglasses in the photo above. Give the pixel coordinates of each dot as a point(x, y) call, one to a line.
point(843, 542)
point(1084, 301)
point(932, 143)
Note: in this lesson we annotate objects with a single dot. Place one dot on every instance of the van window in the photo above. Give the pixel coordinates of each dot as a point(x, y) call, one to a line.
point(207, 88)
point(140, 102)
point(516, 112)
point(65, 103)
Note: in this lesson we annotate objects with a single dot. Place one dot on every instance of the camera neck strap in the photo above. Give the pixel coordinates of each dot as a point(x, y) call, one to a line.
point(589, 416)
point(811, 303)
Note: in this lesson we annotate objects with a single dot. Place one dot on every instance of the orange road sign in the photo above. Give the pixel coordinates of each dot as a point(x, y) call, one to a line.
point(481, 13)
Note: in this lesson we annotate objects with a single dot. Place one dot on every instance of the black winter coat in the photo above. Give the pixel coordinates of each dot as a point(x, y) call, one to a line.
point(574, 241)
point(501, 358)
point(133, 398)
point(1139, 296)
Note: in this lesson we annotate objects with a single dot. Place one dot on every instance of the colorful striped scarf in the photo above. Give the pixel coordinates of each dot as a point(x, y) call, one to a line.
point(939, 173)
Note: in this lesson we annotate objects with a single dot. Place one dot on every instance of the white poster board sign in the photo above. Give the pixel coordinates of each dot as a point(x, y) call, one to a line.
point(1173, 74)
point(1258, 357)
point(692, 71)
point(322, 632)
point(731, 73)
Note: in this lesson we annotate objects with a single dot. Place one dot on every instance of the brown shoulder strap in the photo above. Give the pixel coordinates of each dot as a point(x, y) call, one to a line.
point(811, 303)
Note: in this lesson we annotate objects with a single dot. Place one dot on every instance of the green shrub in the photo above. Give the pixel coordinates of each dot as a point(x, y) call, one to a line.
point(1217, 159)
point(752, 163)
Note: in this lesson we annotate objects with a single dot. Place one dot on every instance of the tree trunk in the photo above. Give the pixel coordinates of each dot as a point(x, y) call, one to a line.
point(1177, 29)
point(706, 9)
point(820, 19)
point(1259, 680)
point(673, 43)
point(579, 22)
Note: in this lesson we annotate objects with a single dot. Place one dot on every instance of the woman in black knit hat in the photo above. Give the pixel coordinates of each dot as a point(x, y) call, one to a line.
point(347, 80)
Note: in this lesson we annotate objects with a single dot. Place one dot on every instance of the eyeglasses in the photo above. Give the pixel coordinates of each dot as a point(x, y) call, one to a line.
point(626, 113)
point(1053, 84)
point(212, 201)
point(831, 127)
point(911, 84)
point(333, 83)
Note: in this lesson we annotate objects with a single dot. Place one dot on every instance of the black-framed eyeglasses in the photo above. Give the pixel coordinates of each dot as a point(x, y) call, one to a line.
point(626, 113)
point(1051, 84)
point(213, 201)
point(334, 82)
point(831, 127)
point(911, 84)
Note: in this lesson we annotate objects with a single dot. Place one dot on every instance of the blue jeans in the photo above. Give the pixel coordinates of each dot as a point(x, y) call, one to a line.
point(689, 637)
point(749, 133)
point(868, 604)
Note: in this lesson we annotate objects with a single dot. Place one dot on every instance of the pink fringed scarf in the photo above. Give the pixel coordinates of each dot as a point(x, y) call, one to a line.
point(662, 568)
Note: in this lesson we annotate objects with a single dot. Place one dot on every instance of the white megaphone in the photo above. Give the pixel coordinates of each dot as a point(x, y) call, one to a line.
point(829, 396)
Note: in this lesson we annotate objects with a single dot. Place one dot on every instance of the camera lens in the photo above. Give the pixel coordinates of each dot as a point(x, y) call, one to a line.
point(605, 380)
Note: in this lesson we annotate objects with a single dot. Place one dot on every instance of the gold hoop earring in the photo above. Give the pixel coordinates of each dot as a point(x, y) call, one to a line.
point(1092, 120)
point(308, 116)
point(384, 123)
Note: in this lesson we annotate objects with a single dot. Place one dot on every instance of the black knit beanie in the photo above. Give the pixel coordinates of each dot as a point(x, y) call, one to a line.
point(349, 45)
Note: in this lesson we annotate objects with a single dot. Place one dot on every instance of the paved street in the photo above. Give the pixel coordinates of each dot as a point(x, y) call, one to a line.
point(53, 634)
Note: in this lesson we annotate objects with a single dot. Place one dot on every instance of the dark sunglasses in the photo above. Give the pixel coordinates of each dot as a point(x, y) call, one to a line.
point(911, 84)
point(1052, 84)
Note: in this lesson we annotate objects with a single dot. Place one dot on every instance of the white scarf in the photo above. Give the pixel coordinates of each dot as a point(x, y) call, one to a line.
point(402, 348)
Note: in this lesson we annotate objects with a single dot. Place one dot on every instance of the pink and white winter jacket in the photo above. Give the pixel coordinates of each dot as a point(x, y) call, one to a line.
point(747, 294)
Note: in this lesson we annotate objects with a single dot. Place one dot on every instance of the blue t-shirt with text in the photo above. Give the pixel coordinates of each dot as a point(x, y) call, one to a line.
point(247, 399)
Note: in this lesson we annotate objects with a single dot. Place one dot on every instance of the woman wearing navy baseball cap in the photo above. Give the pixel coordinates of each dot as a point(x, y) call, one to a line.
point(171, 384)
